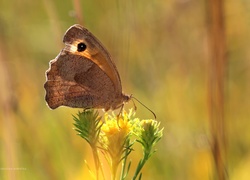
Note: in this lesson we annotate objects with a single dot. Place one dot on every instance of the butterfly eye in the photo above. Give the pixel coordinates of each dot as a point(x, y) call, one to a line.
point(81, 47)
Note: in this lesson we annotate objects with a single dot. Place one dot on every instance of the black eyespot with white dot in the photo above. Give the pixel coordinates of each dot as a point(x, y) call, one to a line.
point(81, 47)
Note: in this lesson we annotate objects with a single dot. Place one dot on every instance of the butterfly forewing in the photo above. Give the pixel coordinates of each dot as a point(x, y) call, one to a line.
point(83, 74)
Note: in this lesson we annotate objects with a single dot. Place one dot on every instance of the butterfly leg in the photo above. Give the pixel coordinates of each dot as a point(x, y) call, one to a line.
point(119, 114)
point(86, 109)
point(135, 107)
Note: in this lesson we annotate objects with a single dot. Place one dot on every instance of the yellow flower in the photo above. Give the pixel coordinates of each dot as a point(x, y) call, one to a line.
point(115, 132)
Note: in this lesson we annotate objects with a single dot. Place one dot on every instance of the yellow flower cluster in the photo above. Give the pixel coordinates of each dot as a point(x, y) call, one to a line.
point(114, 133)
point(113, 138)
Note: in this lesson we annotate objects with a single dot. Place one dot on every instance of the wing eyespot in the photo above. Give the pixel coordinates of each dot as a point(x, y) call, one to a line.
point(81, 47)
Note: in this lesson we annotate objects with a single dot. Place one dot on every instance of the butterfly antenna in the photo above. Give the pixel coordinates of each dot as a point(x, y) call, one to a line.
point(142, 105)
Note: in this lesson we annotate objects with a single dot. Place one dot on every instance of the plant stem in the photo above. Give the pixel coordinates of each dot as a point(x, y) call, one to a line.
point(96, 159)
point(217, 72)
point(97, 162)
point(140, 165)
point(114, 170)
point(124, 162)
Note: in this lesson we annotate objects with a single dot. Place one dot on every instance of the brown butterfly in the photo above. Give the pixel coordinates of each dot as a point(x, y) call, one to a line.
point(83, 74)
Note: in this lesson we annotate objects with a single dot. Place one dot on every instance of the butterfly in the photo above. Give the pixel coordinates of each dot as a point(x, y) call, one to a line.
point(83, 74)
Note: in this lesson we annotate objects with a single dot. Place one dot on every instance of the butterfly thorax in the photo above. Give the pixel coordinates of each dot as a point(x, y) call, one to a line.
point(119, 101)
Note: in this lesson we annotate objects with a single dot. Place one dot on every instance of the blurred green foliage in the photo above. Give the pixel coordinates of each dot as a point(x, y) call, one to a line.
point(160, 48)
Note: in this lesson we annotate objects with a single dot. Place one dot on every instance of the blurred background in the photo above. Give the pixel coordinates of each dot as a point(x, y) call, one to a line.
point(164, 52)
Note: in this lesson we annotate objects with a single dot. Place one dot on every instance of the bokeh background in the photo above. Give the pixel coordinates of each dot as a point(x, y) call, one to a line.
point(161, 49)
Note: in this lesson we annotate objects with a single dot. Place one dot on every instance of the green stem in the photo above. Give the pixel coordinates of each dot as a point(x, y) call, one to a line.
point(123, 168)
point(140, 165)
point(124, 162)
point(97, 162)
point(96, 159)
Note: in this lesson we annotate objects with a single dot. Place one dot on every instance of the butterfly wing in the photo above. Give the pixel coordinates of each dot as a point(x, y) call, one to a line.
point(85, 77)
point(75, 81)
point(94, 51)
